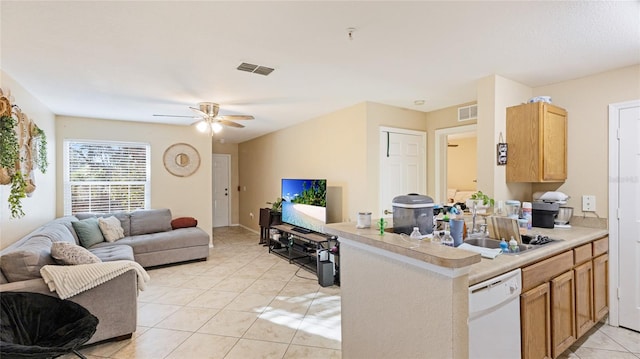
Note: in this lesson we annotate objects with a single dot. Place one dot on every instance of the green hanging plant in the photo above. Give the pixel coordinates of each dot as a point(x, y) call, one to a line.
point(41, 158)
point(9, 148)
point(18, 187)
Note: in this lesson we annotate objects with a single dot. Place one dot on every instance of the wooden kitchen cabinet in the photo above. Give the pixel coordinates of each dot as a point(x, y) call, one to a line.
point(535, 321)
point(563, 297)
point(585, 318)
point(537, 139)
point(601, 286)
point(563, 309)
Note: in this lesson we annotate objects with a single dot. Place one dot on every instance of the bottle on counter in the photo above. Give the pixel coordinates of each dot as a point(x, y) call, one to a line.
point(416, 233)
point(513, 245)
point(527, 213)
point(447, 239)
point(504, 246)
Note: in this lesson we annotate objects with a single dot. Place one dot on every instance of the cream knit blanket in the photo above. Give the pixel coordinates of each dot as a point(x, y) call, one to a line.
point(70, 280)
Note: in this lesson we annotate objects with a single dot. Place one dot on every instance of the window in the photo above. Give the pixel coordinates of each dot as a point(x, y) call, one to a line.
point(103, 177)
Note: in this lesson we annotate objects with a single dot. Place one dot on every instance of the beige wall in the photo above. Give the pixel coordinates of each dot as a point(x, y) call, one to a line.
point(331, 147)
point(437, 120)
point(342, 147)
point(231, 149)
point(462, 165)
point(185, 196)
point(495, 94)
point(586, 101)
point(40, 207)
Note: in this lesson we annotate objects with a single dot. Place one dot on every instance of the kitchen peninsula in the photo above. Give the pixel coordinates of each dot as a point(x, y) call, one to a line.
point(405, 300)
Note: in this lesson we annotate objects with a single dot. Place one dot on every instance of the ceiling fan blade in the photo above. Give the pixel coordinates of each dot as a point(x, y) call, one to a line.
point(236, 117)
point(199, 112)
point(176, 116)
point(231, 123)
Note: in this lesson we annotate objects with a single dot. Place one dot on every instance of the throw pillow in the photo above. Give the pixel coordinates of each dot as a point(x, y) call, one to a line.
point(184, 222)
point(111, 228)
point(71, 254)
point(88, 231)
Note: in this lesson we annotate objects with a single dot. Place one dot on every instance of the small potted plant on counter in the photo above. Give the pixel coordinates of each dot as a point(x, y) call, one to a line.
point(481, 201)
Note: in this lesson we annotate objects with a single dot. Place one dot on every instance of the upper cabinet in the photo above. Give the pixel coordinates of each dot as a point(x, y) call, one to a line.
point(537, 140)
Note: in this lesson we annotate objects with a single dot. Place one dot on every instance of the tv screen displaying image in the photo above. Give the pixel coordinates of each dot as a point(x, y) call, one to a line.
point(305, 203)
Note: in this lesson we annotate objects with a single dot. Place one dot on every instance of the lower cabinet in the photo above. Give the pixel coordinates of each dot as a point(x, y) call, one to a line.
point(601, 286)
point(563, 297)
point(563, 308)
point(535, 318)
point(585, 318)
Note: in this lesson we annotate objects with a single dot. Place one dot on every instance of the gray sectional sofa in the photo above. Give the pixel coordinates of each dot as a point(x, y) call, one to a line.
point(149, 239)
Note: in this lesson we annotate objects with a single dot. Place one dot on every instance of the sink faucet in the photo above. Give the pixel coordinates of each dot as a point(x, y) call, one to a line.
point(475, 231)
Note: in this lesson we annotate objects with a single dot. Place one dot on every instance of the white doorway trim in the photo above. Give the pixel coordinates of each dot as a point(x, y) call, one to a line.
point(614, 235)
point(440, 170)
point(230, 199)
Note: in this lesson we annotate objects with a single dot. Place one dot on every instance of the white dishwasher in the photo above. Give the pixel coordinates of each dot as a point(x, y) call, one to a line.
point(494, 317)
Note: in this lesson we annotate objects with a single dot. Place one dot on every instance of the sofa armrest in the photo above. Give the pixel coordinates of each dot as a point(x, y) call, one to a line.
point(114, 303)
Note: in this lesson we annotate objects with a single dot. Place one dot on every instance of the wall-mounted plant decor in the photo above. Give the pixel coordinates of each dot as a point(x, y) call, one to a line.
point(23, 146)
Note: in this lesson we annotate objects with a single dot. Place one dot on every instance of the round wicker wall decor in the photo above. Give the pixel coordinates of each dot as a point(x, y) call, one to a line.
point(181, 159)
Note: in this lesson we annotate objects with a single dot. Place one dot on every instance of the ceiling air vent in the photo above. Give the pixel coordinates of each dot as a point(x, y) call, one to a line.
point(256, 69)
point(467, 113)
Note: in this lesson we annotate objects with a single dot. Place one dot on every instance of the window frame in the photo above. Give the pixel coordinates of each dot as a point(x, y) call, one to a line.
point(67, 183)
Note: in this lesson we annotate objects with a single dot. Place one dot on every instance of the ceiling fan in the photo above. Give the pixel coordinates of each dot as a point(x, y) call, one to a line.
point(209, 120)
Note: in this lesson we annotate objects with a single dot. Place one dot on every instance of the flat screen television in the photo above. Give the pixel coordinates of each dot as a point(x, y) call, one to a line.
point(304, 204)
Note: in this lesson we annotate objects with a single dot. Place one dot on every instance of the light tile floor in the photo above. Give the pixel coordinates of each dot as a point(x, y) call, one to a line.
point(246, 303)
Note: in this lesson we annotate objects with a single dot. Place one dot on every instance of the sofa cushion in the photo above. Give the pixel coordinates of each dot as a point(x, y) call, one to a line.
point(71, 254)
point(147, 221)
point(111, 228)
point(183, 222)
point(124, 218)
point(155, 242)
point(88, 232)
point(25, 261)
point(113, 252)
point(57, 232)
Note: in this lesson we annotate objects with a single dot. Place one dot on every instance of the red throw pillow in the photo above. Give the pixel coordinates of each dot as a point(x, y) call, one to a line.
point(183, 222)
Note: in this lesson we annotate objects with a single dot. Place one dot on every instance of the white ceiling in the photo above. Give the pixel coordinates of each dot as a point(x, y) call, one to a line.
point(128, 60)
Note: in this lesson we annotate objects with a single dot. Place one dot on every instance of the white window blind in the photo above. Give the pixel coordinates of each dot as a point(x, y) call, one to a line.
point(103, 177)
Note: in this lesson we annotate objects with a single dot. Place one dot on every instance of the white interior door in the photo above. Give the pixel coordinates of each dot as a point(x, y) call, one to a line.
point(629, 217)
point(402, 165)
point(221, 168)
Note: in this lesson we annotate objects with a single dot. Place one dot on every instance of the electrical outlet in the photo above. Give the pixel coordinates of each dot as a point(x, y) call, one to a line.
point(588, 203)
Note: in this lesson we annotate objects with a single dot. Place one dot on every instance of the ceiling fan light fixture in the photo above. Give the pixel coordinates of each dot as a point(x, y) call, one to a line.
point(203, 126)
point(216, 127)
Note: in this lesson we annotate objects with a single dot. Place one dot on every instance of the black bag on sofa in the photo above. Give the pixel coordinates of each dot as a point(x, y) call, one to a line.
point(34, 325)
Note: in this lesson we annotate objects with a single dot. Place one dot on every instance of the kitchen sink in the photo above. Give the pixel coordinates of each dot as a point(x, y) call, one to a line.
point(494, 243)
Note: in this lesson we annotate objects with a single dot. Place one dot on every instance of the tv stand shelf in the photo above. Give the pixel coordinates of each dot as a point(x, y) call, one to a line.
point(299, 247)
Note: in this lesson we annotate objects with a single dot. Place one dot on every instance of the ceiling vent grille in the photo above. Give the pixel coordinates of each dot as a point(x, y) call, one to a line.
point(468, 113)
point(256, 69)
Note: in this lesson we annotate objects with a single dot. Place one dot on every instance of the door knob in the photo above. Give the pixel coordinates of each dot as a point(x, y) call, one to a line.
point(387, 212)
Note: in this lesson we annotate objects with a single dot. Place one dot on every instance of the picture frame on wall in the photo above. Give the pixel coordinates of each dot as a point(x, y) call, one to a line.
point(502, 149)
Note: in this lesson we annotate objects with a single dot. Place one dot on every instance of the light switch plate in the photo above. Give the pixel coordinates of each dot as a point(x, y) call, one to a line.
point(588, 203)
